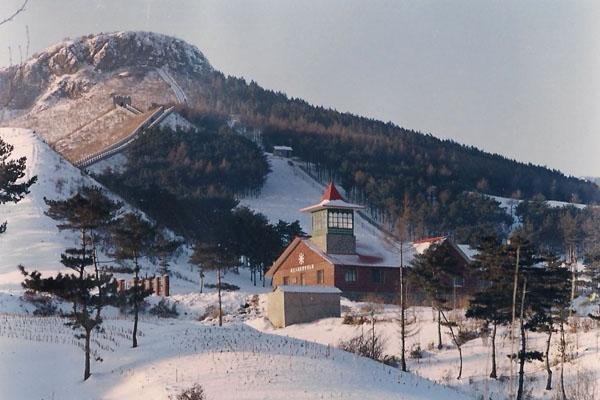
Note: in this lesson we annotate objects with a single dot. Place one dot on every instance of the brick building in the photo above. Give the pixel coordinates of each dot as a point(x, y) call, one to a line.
point(331, 256)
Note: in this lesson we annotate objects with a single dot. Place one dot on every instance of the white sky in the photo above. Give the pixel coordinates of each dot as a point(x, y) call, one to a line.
point(520, 78)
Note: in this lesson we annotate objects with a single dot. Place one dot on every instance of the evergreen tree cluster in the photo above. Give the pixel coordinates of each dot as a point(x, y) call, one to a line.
point(520, 285)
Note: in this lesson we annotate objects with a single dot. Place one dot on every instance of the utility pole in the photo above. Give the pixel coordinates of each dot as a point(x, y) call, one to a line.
point(512, 323)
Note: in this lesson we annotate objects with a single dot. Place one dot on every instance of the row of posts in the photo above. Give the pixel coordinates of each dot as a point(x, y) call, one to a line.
point(158, 285)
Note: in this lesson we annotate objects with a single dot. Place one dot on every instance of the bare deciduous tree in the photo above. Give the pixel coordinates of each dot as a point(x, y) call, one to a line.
point(14, 14)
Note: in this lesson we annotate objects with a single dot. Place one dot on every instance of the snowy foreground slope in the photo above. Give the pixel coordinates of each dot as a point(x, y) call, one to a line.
point(41, 359)
point(233, 362)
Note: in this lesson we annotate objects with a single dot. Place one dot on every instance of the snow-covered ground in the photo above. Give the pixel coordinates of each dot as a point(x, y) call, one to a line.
point(247, 358)
point(32, 238)
point(441, 366)
point(41, 359)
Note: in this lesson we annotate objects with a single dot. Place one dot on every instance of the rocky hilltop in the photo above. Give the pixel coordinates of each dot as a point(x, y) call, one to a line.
point(66, 92)
point(55, 71)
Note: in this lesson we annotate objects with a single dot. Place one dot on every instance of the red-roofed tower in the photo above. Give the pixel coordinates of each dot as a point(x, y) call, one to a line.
point(333, 222)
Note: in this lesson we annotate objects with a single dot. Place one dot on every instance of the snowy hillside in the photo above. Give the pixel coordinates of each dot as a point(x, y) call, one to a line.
point(233, 363)
point(442, 365)
point(32, 238)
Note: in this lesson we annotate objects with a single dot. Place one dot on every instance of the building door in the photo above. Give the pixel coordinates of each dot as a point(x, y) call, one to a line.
point(302, 279)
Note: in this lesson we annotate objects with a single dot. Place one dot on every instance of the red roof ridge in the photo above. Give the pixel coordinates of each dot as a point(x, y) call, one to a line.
point(430, 239)
point(331, 193)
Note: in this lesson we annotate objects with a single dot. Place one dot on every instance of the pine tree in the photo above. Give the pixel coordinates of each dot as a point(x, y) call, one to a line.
point(88, 212)
point(592, 275)
point(550, 292)
point(134, 238)
point(523, 254)
point(492, 304)
point(434, 272)
point(164, 249)
point(218, 257)
point(12, 187)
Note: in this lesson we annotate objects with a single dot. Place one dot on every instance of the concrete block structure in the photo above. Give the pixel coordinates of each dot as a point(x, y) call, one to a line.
point(288, 305)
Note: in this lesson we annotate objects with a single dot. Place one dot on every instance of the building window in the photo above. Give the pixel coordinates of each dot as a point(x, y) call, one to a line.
point(340, 219)
point(350, 275)
point(377, 276)
point(286, 280)
point(320, 277)
point(302, 279)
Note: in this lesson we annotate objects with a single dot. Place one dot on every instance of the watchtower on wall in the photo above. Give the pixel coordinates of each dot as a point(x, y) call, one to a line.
point(121, 101)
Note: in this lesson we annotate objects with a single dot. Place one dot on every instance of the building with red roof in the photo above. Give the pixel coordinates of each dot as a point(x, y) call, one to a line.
point(331, 256)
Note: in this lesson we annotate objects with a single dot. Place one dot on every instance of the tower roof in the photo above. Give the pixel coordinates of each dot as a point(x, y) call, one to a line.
point(332, 198)
point(331, 193)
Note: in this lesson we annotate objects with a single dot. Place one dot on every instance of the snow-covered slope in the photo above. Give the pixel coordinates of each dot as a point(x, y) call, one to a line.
point(231, 363)
point(32, 238)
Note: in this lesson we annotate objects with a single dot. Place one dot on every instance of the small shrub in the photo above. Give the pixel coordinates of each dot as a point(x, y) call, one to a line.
point(416, 352)
point(351, 319)
point(162, 310)
point(465, 335)
point(224, 286)
point(365, 345)
point(194, 393)
point(211, 312)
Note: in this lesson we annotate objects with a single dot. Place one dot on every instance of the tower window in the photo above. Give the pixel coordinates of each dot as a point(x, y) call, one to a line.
point(340, 219)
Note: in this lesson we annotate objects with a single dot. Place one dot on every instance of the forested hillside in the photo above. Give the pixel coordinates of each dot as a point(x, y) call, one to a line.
point(395, 170)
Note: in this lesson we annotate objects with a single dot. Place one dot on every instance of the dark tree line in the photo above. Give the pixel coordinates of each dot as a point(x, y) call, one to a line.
point(186, 181)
